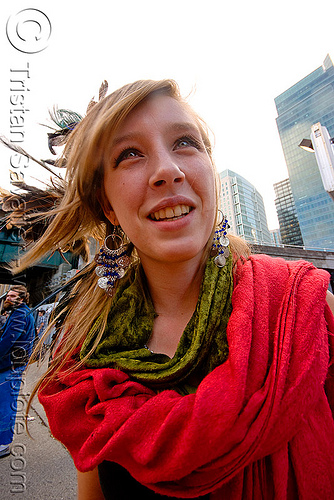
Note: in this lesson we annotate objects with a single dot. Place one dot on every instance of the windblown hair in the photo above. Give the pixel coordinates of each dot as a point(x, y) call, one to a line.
point(80, 214)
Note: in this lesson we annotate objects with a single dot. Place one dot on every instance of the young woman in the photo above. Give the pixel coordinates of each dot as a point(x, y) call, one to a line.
point(187, 368)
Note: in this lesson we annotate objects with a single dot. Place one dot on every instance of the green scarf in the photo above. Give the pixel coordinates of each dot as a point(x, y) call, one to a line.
point(203, 344)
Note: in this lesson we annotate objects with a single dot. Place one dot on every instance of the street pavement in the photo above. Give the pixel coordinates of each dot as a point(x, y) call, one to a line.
point(38, 468)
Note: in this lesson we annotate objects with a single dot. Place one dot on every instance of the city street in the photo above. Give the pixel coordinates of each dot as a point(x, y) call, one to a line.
point(38, 468)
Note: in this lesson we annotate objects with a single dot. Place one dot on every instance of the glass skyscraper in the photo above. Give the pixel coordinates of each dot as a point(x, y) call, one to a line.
point(243, 205)
point(286, 213)
point(309, 101)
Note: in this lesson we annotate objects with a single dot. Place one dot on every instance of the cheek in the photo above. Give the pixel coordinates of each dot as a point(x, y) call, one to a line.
point(206, 183)
point(123, 199)
point(113, 189)
point(209, 197)
point(117, 185)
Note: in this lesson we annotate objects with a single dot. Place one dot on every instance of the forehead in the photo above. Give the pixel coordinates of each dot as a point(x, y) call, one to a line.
point(156, 112)
point(12, 293)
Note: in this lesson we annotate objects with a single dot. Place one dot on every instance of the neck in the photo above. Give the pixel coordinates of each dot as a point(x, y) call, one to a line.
point(174, 287)
point(174, 290)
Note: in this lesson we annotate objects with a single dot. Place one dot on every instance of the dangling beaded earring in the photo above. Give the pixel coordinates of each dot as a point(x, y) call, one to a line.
point(221, 242)
point(113, 262)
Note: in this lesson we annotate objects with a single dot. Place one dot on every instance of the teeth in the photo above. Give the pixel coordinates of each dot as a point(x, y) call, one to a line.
point(170, 212)
point(177, 211)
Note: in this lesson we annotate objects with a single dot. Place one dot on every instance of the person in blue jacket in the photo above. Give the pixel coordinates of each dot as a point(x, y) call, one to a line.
point(16, 344)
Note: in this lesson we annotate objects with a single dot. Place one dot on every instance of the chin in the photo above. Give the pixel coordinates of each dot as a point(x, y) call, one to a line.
point(184, 255)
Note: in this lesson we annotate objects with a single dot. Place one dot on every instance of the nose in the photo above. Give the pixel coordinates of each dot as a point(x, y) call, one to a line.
point(165, 170)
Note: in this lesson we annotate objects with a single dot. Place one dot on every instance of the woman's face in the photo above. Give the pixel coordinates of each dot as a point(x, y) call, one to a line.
point(159, 183)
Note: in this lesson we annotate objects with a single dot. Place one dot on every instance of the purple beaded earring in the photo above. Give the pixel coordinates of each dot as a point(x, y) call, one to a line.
point(113, 262)
point(221, 242)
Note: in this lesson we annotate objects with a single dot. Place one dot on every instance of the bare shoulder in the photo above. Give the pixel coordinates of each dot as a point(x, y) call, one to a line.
point(89, 485)
point(330, 301)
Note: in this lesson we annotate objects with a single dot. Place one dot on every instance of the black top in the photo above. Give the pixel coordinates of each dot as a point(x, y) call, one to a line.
point(118, 484)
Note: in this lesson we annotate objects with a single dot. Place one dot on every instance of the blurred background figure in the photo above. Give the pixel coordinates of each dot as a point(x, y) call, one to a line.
point(41, 322)
point(3, 318)
point(16, 344)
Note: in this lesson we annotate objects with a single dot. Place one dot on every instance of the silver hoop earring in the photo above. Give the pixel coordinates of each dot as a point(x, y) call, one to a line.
point(221, 242)
point(113, 262)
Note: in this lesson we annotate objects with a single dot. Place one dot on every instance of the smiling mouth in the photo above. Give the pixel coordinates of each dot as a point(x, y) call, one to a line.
point(171, 213)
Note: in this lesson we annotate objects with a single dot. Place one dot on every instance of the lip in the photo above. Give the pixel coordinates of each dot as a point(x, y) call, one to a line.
point(171, 202)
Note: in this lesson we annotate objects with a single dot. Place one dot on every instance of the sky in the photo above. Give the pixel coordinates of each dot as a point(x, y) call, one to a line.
point(231, 58)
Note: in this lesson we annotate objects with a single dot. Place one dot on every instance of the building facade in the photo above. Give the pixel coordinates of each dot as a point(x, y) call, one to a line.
point(244, 208)
point(287, 216)
point(275, 237)
point(309, 101)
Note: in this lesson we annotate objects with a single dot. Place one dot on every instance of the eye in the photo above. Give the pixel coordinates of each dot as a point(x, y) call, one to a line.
point(127, 154)
point(188, 142)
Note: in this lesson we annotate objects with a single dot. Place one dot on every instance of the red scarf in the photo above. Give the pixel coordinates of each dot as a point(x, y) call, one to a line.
point(259, 426)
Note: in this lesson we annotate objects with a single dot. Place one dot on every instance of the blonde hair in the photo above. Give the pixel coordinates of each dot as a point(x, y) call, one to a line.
point(79, 214)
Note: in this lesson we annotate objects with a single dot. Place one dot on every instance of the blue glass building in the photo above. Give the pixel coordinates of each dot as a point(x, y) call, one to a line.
point(286, 212)
point(243, 205)
point(309, 101)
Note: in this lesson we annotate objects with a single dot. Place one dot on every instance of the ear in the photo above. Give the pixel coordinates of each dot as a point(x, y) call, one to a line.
point(107, 208)
point(111, 216)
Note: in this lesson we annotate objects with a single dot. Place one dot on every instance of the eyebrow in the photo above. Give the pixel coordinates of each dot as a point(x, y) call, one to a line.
point(177, 127)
